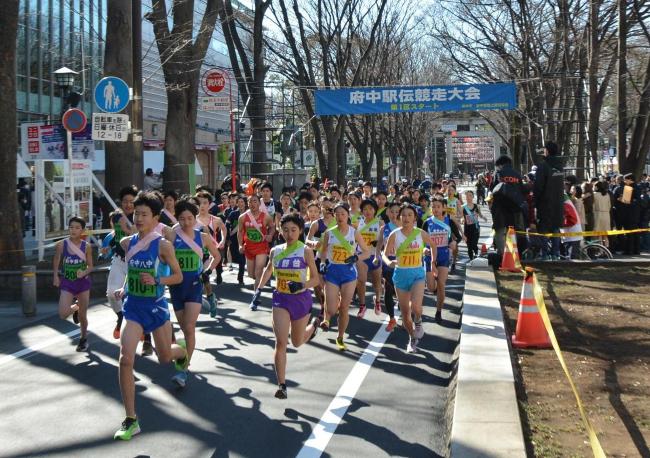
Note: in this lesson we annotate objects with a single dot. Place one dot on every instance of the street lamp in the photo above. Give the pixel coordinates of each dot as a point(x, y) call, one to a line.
point(65, 80)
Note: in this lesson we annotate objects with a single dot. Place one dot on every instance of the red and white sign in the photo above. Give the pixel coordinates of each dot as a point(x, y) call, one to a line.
point(214, 81)
point(74, 120)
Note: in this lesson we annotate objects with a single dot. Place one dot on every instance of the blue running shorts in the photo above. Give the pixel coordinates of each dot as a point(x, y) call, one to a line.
point(405, 278)
point(340, 274)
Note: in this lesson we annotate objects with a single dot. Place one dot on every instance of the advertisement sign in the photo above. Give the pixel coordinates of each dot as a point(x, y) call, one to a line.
point(374, 100)
point(48, 142)
point(53, 196)
point(473, 149)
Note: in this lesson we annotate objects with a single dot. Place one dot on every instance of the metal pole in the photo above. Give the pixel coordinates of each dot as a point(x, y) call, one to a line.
point(29, 290)
point(73, 210)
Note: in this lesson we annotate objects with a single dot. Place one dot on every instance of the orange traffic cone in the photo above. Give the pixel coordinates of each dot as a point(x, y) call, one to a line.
point(530, 330)
point(510, 261)
point(483, 249)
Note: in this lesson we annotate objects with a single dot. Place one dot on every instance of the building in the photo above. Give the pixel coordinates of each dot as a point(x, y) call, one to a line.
point(71, 33)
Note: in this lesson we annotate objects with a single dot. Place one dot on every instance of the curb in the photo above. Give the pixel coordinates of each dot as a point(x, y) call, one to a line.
point(486, 418)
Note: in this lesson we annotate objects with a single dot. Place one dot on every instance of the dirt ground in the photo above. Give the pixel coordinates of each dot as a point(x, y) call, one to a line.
point(601, 317)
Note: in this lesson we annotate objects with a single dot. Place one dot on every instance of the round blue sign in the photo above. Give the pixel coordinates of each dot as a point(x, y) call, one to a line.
point(111, 94)
point(74, 120)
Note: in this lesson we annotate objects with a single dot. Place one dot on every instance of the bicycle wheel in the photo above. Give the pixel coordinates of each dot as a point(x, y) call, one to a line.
point(595, 251)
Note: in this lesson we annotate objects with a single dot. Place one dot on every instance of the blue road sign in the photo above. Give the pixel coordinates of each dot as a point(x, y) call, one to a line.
point(111, 94)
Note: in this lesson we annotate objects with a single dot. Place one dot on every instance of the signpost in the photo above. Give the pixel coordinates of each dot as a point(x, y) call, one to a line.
point(110, 127)
point(214, 103)
point(214, 80)
point(73, 120)
point(112, 94)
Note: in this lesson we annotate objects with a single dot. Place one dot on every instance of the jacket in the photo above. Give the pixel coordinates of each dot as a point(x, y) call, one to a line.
point(548, 193)
point(504, 211)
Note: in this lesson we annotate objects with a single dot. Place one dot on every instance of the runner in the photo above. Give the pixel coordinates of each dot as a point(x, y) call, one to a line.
point(445, 234)
point(122, 225)
point(407, 245)
point(233, 229)
point(292, 264)
point(255, 232)
point(454, 211)
point(149, 258)
point(369, 228)
point(354, 202)
point(186, 297)
point(215, 228)
point(314, 236)
point(77, 265)
point(381, 198)
point(387, 271)
point(338, 247)
point(471, 227)
point(167, 215)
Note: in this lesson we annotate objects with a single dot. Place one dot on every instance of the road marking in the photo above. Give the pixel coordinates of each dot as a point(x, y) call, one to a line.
point(33, 349)
point(324, 430)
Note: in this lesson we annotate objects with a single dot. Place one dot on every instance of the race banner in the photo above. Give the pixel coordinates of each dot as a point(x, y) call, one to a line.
point(374, 100)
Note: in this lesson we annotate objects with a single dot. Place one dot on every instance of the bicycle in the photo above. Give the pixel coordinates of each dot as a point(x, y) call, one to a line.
point(590, 250)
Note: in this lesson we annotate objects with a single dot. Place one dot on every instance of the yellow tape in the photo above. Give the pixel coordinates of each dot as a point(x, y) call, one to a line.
point(511, 248)
point(593, 438)
point(584, 234)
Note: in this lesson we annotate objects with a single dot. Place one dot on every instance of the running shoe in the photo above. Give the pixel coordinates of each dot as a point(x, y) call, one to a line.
point(315, 322)
point(180, 379)
point(391, 325)
point(377, 306)
point(438, 318)
point(75, 317)
point(340, 344)
point(181, 364)
point(419, 330)
point(413, 345)
point(83, 344)
point(362, 311)
point(325, 325)
point(213, 306)
point(116, 332)
point(130, 427)
point(282, 391)
point(255, 302)
point(147, 348)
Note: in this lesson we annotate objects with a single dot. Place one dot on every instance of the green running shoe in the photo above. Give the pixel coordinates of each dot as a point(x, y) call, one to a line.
point(130, 427)
point(182, 363)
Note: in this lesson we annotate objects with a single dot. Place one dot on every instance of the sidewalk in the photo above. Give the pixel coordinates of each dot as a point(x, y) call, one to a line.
point(486, 418)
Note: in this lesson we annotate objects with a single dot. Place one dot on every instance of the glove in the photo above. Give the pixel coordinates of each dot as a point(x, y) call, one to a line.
point(373, 243)
point(352, 259)
point(295, 286)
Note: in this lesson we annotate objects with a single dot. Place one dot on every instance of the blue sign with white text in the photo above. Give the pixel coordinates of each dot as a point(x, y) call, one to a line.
point(111, 94)
point(375, 100)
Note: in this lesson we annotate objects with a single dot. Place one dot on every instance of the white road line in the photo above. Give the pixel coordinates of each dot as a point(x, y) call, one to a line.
point(324, 430)
point(29, 350)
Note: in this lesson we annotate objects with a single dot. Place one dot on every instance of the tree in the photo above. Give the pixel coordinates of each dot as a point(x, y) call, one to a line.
point(11, 243)
point(181, 53)
point(250, 70)
point(123, 165)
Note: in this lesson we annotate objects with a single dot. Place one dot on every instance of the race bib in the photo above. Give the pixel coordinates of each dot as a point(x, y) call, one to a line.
point(369, 237)
point(70, 270)
point(253, 235)
point(188, 260)
point(451, 211)
point(135, 286)
point(410, 257)
point(283, 277)
point(440, 239)
point(339, 254)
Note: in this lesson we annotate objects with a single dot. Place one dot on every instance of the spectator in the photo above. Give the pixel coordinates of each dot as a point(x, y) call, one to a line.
point(576, 200)
point(602, 210)
point(588, 203)
point(151, 181)
point(628, 213)
point(508, 201)
point(571, 223)
point(548, 193)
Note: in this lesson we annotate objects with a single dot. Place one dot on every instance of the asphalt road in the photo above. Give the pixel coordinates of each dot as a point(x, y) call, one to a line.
point(58, 402)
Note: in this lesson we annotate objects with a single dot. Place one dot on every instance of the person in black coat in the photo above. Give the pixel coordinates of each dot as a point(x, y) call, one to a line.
point(628, 213)
point(548, 195)
point(508, 203)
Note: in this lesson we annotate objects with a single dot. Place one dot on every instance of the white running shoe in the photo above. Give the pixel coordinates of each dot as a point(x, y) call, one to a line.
point(412, 346)
point(419, 330)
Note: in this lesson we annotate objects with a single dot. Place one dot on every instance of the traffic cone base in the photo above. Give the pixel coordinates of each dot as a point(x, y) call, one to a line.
point(530, 331)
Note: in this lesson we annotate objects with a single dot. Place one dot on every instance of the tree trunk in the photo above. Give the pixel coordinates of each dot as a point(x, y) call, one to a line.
point(621, 91)
point(11, 240)
point(180, 132)
point(258, 143)
point(118, 61)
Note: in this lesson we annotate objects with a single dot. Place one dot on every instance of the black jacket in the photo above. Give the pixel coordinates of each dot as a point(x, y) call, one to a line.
point(506, 212)
point(548, 193)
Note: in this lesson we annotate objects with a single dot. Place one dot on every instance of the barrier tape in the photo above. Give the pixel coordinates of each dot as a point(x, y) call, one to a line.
point(585, 234)
point(593, 438)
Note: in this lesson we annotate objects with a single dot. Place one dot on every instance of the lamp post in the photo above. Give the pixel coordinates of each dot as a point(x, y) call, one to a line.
point(65, 80)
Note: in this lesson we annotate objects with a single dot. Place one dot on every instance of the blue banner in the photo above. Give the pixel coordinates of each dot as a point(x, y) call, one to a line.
point(374, 100)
